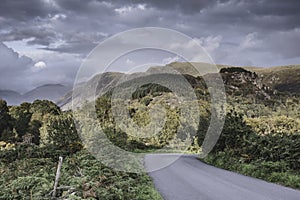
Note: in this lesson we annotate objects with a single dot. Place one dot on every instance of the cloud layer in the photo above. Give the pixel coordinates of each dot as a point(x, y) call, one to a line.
point(57, 34)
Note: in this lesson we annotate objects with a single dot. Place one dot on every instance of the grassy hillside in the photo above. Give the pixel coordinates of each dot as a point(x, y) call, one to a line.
point(283, 79)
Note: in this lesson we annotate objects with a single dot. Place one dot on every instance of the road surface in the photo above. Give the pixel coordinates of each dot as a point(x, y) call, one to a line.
point(189, 179)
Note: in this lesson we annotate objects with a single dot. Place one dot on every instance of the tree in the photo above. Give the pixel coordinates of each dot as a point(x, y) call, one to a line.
point(5, 122)
point(33, 129)
point(22, 116)
point(234, 134)
point(103, 109)
point(62, 133)
point(40, 108)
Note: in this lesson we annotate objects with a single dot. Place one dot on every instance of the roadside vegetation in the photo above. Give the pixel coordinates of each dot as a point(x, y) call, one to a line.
point(33, 136)
point(261, 135)
point(272, 156)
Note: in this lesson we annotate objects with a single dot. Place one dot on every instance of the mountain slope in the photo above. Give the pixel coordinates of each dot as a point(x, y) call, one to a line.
point(102, 82)
point(282, 78)
point(236, 82)
point(50, 92)
point(12, 97)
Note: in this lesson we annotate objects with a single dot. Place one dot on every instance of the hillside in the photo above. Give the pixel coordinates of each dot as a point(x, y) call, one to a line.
point(50, 92)
point(282, 78)
point(10, 96)
point(252, 82)
point(102, 82)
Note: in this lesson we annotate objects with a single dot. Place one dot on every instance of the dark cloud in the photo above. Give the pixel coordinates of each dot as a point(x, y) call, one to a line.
point(26, 10)
point(194, 17)
point(239, 32)
point(260, 15)
point(274, 7)
point(186, 7)
point(36, 34)
point(86, 8)
point(74, 48)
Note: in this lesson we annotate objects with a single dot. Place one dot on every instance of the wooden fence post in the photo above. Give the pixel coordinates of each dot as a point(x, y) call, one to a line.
point(57, 177)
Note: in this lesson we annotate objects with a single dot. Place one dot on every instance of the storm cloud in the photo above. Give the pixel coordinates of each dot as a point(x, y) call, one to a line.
point(61, 33)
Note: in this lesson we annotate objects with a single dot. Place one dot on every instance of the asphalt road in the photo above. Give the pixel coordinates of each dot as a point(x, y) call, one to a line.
point(187, 179)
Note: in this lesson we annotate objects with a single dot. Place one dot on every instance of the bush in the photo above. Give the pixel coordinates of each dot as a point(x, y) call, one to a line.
point(61, 132)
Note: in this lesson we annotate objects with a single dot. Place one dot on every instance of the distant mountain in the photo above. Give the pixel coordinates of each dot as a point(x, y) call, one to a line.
point(12, 97)
point(50, 92)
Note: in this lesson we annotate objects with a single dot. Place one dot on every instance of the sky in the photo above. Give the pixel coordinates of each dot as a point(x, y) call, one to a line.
point(45, 41)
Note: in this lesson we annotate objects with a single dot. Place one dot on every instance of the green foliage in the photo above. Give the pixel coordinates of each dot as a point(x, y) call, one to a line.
point(30, 186)
point(146, 100)
point(234, 134)
point(22, 116)
point(234, 70)
point(117, 137)
point(6, 146)
point(274, 125)
point(139, 113)
point(24, 121)
point(61, 132)
point(82, 177)
point(43, 107)
point(276, 172)
point(276, 148)
point(6, 133)
point(271, 154)
point(34, 130)
point(149, 89)
point(103, 109)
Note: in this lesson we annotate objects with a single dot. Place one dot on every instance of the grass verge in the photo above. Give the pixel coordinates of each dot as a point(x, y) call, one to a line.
point(275, 172)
